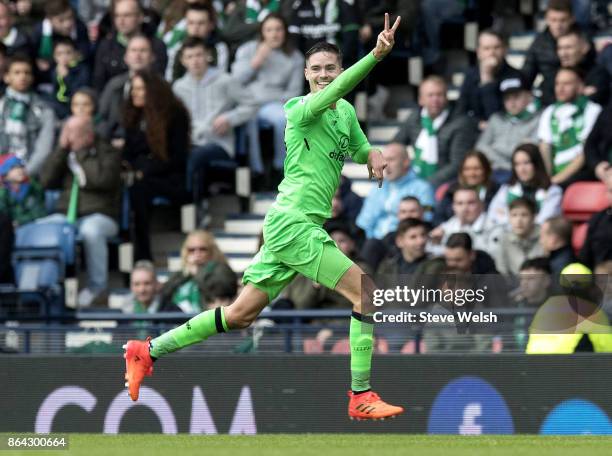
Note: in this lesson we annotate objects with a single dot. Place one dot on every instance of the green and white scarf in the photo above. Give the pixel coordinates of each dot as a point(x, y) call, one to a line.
point(15, 117)
point(518, 191)
point(256, 12)
point(566, 123)
point(425, 162)
point(187, 297)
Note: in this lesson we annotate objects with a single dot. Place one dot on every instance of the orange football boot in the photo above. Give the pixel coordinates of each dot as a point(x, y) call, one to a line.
point(138, 363)
point(369, 406)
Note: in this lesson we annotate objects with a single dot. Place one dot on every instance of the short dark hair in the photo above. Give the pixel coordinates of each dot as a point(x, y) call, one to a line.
point(574, 31)
point(89, 92)
point(193, 42)
point(541, 179)
point(411, 198)
point(56, 7)
point(539, 263)
point(324, 46)
point(63, 40)
point(561, 227)
point(409, 223)
point(495, 33)
point(526, 203)
point(560, 5)
point(577, 71)
point(18, 58)
point(203, 8)
point(465, 188)
point(459, 241)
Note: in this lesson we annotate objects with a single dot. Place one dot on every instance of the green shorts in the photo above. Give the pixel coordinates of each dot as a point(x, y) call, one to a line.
point(294, 244)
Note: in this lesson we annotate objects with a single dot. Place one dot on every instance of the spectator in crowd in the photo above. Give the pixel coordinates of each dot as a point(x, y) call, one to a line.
point(15, 40)
point(411, 240)
point(542, 55)
point(506, 130)
point(378, 215)
point(67, 76)
point(521, 242)
point(334, 22)
point(529, 180)
point(26, 122)
point(460, 257)
point(564, 128)
point(60, 22)
point(435, 13)
point(303, 293)
point(205, 280)
point(440, 135)
point(27, 14)
point(535, 284)
point(87, 169)
point(3, 59)
point(21, 198)
point(138, 56)
point(144, 288)
point(481, 94)
point(6, 247)
point(128, 20)
point(475, 172)
point(556, 241)
point(200, 22)
point(273, 71)
point(155, 150)
point(348, 203)
point(469, 217)
point(374, 250)
point(575, 51)
point(91, 12)
point(598, 146)
point(242, 21)
point(83, 103)
point(217, 103)
point(597, 246)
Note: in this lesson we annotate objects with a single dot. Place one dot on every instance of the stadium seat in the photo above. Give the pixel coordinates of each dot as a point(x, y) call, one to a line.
point(579, 235)
point(582, 199)
point(441, 191)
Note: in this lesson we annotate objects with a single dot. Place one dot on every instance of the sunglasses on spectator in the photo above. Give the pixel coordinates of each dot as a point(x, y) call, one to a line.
point(197, 249)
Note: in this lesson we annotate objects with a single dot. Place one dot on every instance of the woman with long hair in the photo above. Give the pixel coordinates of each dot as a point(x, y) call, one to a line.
point(474, 171)
point(529, 180)
point(157, 127)
point(273, 71)
point(205, 278)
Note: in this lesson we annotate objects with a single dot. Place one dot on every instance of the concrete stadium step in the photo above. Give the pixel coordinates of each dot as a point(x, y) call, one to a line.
point(245, 244)
point(383, 132)
point(516, 59)
point(521, 41)
point(238, 262)
point(354, 170)
point(261, 202)
point(244, 224)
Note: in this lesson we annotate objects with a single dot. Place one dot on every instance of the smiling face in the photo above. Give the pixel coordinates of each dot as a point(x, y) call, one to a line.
point(321, 69)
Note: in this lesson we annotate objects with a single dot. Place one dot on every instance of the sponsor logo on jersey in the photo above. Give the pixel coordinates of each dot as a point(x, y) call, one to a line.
point(339, 156)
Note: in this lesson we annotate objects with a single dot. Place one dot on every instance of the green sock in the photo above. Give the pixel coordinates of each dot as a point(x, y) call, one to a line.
point(360, 338)
point(199, 328)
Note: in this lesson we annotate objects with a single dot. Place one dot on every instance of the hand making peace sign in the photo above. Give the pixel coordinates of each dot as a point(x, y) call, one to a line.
point(386, 38)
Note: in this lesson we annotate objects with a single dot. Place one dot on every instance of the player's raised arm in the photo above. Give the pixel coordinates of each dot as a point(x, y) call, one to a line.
point(352, 76)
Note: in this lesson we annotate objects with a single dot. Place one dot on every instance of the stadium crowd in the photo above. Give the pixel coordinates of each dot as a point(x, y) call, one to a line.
point(116, 103)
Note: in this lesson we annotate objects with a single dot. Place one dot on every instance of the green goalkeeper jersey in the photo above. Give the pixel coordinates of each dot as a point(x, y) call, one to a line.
point(318, 140)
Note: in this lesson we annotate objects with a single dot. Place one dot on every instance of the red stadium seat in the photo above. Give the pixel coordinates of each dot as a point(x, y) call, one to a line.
point(441, 191)
point(579, 236)
point(582, 199)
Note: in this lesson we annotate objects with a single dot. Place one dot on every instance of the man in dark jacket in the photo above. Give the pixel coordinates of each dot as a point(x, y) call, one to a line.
point(556, 241)
point(88, 171)
point(597, 247)
point(598, 146)
point(575, 50)
point(480, 93)
point(542, 55)
point(15, 40)
point(128, 18)
point(439, 134)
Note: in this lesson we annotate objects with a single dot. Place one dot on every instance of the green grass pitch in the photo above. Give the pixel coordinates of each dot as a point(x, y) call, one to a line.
point(327, 445)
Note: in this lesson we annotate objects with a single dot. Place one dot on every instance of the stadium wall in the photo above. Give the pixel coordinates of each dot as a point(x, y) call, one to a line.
point(479, 394)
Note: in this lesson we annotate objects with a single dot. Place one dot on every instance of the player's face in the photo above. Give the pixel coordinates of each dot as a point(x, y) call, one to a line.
point(321, 69)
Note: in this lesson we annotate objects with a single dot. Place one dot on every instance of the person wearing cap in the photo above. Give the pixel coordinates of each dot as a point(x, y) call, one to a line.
point(564, 127)
point(518, 123)
point(21, 198)
point(481, 94)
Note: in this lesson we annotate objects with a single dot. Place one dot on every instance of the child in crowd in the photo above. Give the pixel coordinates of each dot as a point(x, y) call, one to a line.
point(21, 198)
point(68, 75)
point(521, 242)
